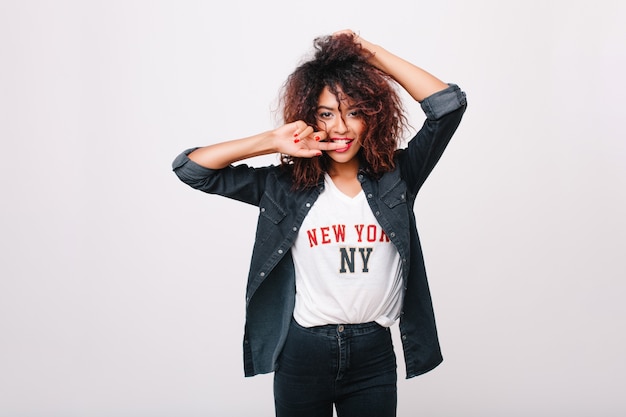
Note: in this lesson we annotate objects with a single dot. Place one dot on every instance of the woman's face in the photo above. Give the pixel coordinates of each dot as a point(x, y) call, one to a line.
point(342, 123)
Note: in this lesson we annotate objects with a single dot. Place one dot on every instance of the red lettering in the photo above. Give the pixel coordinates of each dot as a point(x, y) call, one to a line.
point(371, 233)
point(312, 237)
point(359, 231)
point(325, 230)
point(340, 232)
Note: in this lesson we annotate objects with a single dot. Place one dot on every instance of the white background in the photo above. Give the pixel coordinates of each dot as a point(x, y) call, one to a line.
point(122, 289)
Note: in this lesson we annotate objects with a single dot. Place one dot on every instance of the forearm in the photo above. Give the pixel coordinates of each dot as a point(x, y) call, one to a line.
point(444, 111)
point(415, 80)
point(296, 139)
point(221, 155)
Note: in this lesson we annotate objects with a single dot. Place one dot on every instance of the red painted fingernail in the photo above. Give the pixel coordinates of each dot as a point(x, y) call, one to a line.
point(318, 154)
point(295, 135)
point(317, 137)
point(296, 140)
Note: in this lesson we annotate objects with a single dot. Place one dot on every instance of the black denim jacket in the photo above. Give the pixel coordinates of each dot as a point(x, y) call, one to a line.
point(270, 293)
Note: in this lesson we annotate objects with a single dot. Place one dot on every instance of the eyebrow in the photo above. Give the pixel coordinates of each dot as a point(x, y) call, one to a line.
point(348, 108)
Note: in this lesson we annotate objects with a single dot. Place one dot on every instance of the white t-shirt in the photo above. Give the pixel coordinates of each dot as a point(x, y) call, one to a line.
point(347, 269)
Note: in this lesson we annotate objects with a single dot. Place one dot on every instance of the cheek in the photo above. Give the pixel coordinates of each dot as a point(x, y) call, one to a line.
point(358, 127)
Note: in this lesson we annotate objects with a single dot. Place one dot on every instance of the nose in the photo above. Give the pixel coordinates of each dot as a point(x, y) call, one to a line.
point(339, 127)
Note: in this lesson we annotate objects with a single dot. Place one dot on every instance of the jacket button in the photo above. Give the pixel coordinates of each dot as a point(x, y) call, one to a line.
point(392, 234)
point(262, 274)
point(280, 251)
point(377, 213)
point(262, 209)
point(294, 229)
point(308, 204)
point(369, 195)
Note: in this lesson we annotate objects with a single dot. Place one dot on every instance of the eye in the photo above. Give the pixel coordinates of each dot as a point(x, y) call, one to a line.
point(354, 113)
point(324, 115)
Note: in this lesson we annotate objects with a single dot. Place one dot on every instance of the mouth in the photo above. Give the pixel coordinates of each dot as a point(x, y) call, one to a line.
point(345, 141)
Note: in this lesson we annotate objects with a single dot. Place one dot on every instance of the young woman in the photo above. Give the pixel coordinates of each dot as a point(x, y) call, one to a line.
point(337, 259)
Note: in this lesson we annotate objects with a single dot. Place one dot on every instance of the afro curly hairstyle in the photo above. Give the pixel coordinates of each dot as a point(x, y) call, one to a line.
point(342, 65)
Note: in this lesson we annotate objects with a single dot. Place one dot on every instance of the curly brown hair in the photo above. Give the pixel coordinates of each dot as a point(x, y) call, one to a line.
point(341, 64)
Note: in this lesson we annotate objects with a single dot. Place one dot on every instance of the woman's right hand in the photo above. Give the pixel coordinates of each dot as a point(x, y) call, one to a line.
point(300, 140)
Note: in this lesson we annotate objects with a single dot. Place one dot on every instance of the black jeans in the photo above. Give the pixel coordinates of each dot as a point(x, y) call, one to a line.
point(352, 366)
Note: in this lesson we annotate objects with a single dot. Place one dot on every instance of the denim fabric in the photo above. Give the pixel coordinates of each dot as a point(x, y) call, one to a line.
point(351, 366)
point(270, 291)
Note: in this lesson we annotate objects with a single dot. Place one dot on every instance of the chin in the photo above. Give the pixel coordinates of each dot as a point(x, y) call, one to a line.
point(341, 158)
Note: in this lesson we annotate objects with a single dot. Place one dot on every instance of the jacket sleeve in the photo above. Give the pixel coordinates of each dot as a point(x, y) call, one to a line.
point(444, 111)
point(240, 182)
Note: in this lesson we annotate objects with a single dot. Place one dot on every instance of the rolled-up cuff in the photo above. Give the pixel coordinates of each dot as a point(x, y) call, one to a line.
point(443, 102)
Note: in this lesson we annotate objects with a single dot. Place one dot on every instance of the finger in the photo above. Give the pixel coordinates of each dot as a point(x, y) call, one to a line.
point(320, 135)
point(305, 132)
point(329, 146)
point(302, 131)
point(306, 153)
point(310, 153)
point(296, 128)
point(343, 31)
point(346, 32)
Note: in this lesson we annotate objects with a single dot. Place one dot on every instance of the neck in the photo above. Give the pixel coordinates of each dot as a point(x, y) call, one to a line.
point(344, 170)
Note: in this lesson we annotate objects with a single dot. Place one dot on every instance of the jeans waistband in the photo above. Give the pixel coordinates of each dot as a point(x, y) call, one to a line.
point(340, 329)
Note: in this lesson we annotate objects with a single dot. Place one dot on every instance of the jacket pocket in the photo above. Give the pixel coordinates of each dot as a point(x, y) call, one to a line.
point(395, 195)
point(271, 210)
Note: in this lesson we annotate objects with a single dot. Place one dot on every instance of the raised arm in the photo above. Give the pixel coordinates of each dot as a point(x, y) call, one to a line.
point(416, 81)
point(295, 139)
